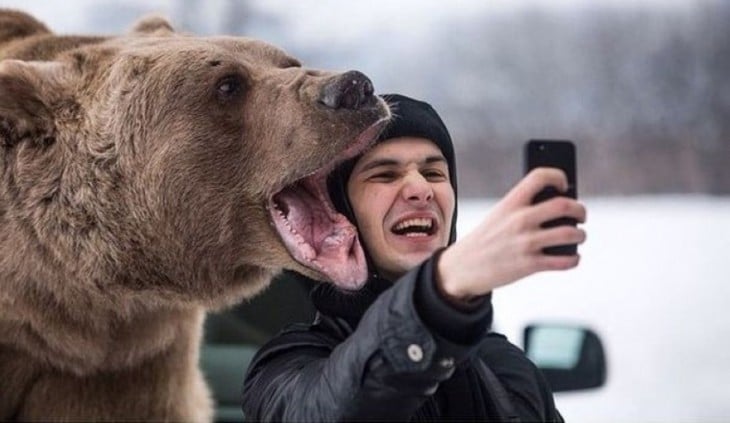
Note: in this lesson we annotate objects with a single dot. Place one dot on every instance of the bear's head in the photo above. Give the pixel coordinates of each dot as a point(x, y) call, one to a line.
point(173, 168)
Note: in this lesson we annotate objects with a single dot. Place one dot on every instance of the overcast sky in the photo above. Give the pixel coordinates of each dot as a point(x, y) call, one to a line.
point(323, 18)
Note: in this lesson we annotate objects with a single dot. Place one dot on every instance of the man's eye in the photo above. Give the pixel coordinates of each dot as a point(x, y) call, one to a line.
point(434, 175)
point(383, 176)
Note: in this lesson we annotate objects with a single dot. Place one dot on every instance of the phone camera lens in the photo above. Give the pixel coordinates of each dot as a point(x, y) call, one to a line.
point(541, 147)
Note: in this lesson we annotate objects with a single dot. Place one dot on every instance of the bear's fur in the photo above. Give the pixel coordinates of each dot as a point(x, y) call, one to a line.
point(138, 176)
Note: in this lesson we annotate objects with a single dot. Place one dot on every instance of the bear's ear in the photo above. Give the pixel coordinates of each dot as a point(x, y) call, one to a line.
point(24, 111)
point(16, 24)
point(153, 25)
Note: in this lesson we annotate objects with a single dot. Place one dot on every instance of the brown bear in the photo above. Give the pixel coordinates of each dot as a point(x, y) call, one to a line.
point(146, 178)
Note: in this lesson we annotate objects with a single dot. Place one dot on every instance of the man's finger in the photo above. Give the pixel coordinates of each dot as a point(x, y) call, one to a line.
point(553, 209)
point(559, 235)
point(548, 262)
point(534, 182)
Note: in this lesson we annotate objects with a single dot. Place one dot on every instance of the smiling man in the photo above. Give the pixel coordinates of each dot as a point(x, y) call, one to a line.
point(413, 344)
point(403, 203)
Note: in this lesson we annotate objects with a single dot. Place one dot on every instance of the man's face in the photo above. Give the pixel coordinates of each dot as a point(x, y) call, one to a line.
point(403, 202)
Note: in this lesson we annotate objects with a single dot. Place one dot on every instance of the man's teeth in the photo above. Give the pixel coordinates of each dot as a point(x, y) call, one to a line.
point(423, 224)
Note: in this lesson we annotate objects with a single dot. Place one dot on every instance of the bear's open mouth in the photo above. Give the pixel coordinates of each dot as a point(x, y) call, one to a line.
point(316, 235)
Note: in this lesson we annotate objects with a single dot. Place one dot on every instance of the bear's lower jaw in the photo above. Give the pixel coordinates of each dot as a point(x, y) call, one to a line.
point(316, 235)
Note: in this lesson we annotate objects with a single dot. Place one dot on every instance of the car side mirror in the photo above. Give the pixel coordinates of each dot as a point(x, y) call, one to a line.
point(571, 357)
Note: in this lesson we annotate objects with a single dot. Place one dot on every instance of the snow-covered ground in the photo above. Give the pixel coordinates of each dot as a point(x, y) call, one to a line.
point(654, 283)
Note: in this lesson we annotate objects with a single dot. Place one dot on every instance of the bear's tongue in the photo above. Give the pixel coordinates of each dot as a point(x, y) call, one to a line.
point(316, 235)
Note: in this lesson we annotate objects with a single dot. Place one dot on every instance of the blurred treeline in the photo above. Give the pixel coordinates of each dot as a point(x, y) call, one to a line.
point(643, 90)
point(645, 94)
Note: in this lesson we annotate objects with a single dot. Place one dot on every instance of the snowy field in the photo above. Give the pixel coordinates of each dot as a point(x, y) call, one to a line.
point(654, 284)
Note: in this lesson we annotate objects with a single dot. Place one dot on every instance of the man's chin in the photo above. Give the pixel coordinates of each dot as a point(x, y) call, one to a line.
point(405, 262)
point(415, 253)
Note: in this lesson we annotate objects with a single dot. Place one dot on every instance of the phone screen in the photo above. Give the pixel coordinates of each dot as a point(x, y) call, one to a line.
point(559, 154)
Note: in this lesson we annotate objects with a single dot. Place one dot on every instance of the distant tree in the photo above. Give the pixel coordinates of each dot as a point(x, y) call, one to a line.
point(213, 17)
point(235, 17)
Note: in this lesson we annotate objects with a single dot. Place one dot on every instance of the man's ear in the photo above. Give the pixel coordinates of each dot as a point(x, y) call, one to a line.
point(25, 115)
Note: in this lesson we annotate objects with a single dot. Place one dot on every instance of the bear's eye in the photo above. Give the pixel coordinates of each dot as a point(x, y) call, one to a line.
point(229, 86)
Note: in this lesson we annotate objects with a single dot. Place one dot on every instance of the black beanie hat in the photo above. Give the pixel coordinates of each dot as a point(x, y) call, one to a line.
point(411, 118)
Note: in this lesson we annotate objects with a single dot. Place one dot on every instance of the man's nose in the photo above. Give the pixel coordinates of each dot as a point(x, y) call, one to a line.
point(417, 189)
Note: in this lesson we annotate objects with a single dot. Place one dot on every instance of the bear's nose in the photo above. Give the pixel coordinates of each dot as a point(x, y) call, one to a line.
point(351, 90)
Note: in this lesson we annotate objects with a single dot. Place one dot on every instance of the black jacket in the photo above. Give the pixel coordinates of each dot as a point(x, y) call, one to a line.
point(389, 363)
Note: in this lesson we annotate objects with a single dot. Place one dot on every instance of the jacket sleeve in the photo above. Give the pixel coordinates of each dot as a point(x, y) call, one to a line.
point(526, 387)
point(528, 392)
point(383, 371)
point(465, 324)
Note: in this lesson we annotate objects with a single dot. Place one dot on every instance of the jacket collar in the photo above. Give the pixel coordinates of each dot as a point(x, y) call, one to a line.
point(349, 305)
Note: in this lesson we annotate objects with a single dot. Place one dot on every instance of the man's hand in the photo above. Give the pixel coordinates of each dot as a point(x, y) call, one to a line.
point(507, 245)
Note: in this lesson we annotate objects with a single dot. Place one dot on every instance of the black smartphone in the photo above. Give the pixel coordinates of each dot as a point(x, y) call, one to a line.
point(559, 154)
